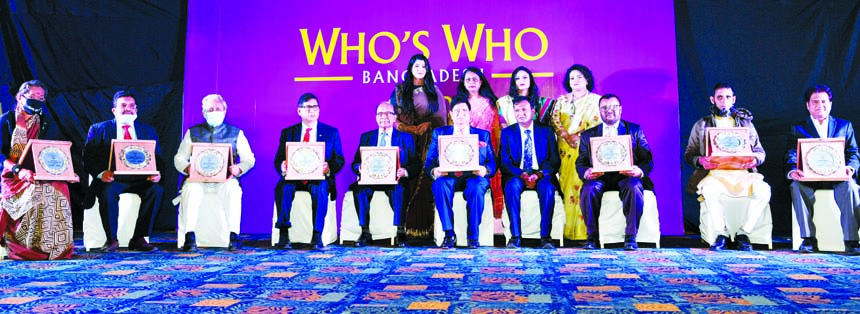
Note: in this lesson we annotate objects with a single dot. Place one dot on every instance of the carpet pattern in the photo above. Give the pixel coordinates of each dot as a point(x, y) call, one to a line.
point(429, 280)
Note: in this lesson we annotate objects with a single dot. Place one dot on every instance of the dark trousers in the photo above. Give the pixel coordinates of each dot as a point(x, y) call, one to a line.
point(546, 197)
point(632, 200)
point(285, 192)
point(363, 194)
point(473, 187)
point(150, 199)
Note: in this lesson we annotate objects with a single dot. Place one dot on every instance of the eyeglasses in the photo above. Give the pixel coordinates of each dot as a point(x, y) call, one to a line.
point(312, 107)
point(384, 114)
point(610, 108)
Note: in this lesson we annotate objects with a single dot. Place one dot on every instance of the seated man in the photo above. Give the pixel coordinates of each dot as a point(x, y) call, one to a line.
point(712, 184)
point(631, 183)
point(214, 131)
point(529, 160)
point(473, 185)
point(309, 130)
point(821, 125)
point(97, 151)
point(385, 136)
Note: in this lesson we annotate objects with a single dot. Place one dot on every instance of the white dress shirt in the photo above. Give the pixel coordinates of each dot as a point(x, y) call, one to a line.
point(313, 137)
point(120, 131)
point(523, 145)
point(822, 127)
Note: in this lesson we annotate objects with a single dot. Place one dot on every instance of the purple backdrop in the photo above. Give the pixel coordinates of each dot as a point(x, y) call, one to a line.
point(261, 57)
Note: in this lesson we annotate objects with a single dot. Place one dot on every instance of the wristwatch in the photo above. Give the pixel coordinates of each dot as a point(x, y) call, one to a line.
point(16, 169)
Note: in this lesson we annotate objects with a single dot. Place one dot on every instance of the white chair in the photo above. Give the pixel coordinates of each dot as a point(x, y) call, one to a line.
point(381, 222)
point(94, 232)
point(301, 217)
point(825, 217)
point(735, 212)
point(485, 229)
point(613, 223)
point(530, 218)
point(212, 227)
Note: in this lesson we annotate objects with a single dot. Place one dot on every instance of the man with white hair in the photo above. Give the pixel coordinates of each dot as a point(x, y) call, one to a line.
point(214, 130)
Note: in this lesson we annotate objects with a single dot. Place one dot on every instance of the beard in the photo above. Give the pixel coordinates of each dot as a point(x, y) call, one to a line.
point(720, 112)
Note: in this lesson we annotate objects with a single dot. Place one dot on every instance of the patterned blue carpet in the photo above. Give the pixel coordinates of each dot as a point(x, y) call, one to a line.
point(429, 280)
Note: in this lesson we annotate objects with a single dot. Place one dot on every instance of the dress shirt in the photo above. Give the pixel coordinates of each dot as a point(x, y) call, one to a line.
point(821, 127)
point(531, 130)
point(313, 132)
point(120, 132)
point(387, 137)
point(610, 130)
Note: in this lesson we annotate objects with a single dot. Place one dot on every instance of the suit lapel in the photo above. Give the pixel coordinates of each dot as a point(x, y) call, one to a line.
point(810, 127)
point(622, 128)
point(831, 127)
point(111, 129)
point(518, 143)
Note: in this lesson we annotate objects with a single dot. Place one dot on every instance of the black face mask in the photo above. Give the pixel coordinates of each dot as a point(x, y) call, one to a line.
point(34, 106)
point(719, 112)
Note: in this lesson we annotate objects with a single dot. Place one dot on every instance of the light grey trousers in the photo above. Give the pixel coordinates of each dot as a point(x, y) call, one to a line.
point(847, 196)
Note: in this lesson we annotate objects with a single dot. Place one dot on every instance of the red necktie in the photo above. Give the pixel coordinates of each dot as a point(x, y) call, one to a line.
point(307, 137)
point(127, 135)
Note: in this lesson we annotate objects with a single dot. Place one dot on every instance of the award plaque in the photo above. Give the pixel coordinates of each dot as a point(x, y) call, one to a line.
point(305, 160)
point(133, 157)
point(210, 162)
point(729, 148)
point(611, 153)
point(459, 153)
point(379, 165)
point(49, 160)
point(822, 159)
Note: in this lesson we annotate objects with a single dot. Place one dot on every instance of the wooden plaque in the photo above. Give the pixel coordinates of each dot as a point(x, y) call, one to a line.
point(133, 157)
point(210, 162)
point(305, 160)
point(379, 165)
point(611, 153)
point(729, 148)
point(49, 160)
point(822, 159)
point(459, 153)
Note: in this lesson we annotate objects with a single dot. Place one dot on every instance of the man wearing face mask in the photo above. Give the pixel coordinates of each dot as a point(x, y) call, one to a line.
point(711, 184)
point(97, 152)
point(214, 130)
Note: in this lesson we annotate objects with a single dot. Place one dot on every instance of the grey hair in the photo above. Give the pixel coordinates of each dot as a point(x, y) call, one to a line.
point(212, 97)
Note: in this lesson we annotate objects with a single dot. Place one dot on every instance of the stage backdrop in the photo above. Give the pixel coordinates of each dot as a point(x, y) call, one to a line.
point(261, 57)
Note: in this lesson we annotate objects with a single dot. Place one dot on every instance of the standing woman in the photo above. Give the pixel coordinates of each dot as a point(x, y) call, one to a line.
point(420, 108)
point(574, 112)
point(475, 87)
point(523, 84)
point(35, 216)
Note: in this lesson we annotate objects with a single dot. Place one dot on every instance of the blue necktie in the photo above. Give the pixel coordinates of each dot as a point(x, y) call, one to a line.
point(383, 141)
point(527, 158)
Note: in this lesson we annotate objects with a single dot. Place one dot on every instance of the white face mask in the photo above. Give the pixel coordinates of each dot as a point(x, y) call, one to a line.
point(215, 118)
point(125, 119)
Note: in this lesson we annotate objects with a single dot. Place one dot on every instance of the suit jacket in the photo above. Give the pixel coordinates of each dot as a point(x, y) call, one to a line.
point(98, 146)
point(641, 152)
point(546, 152)
point(408, 158)
point(333, 152)
point(487, 158)
point(838, 128)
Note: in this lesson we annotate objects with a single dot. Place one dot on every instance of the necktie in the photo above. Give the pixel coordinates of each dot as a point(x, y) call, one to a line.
point(527, 158)
point(384, 140)
point(127, 135)
point(307, 137)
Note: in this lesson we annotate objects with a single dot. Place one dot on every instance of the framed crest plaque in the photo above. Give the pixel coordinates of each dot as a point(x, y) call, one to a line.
point(729, 147)
point(379, 165)
point(305, 160)
point(49, 160)
point(822, 159)
point(459, 153)
point(611, 153)
point(133, 157)
point(210, 162)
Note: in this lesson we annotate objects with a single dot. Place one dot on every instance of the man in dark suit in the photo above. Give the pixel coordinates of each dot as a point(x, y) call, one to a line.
point(385, 136)
point(309, 130)
point(474, 185)
point(821, 125)
point(631, 183)
point(97, 151)
point(529, 160)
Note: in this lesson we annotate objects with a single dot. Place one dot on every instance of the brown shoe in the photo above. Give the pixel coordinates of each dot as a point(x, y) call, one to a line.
point(140, 244)
point(111, 246)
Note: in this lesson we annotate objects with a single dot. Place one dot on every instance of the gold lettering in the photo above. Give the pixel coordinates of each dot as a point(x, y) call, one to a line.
point(518, 45)
point(394, 41)
point(463, 40)
point(419, 45)
point(319, 45)
point(345, 47)
point(505, 44)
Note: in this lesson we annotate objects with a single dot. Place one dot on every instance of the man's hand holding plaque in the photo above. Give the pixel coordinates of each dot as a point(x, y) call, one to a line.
point(821, 160)
point(460, 153)
point(611, 153)
point(305, 161)
point(728, 149)
point(132, 157)
point(379, 166)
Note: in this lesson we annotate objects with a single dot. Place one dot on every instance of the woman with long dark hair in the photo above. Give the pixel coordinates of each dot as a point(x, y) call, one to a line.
point(523, 84)
point(420, 107)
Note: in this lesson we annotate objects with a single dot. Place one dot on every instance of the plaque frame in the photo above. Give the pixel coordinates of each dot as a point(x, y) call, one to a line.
point(469, 142)
point(624, 141)
point(39, 150)
point(305, 150)
point(727, 159)
point(201, 150)
point(389, 155)
point(805, 146)
point(119, 149)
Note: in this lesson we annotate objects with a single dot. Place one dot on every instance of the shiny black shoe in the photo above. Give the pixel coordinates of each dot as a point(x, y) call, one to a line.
point(235, 242)
point(720, 243)
point(284, 239)
point(111, 246)
point(807, 246)
point(140, 244)
point(743, 242)
point(591, 242)
point(400, 240)
point(546, 244)
point(363, 240)
point(630, 243)
point(513, 243)
point(449, 241)
point(316, 241)
point(852, 248)
point(473, 244)
point(190, 242)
